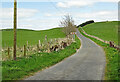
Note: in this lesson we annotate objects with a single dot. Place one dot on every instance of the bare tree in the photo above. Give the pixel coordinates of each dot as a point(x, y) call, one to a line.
point(68, 24)
point(15, 26)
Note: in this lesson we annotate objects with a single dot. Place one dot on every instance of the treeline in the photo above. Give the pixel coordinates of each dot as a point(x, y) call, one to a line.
point(17, 30)
point(85, 23)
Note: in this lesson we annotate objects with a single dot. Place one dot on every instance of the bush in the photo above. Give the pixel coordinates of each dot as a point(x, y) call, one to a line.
point(86, 23)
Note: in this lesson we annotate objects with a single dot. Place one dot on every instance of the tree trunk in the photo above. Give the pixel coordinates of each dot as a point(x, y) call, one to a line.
point(15, 26)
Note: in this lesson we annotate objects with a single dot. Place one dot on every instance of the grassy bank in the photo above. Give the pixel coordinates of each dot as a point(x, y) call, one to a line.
point(14, 70)
point(105, 30)
point(32, 36)
point(112, 68)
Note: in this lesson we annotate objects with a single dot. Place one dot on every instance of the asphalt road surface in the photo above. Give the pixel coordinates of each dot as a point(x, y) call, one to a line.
point(87, 64)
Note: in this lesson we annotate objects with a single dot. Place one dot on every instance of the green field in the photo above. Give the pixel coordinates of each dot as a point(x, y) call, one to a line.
point(25, 66)
point(30, 35)
point(15, 70)
point(105, 30)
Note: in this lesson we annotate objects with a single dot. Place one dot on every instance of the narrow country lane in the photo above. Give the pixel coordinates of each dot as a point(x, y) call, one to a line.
point(87, 64)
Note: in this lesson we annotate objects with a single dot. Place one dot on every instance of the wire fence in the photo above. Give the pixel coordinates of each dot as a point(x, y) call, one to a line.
point(111, 43)
point(48, 46)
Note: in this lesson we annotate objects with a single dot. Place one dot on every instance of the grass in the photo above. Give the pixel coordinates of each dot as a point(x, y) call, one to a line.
point(31, 36)
point(15, 70)
point(112, 67)
point(105, 30)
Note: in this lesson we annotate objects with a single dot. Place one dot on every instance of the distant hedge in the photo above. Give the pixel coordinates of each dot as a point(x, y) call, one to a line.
point(17, 30)
point(86, 23)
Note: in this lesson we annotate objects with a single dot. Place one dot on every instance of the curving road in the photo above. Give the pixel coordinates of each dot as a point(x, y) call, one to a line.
point(87, 64)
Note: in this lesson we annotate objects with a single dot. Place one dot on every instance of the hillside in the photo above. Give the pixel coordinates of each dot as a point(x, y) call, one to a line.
point(34, 61)
point(24, 35)
point(104, 30)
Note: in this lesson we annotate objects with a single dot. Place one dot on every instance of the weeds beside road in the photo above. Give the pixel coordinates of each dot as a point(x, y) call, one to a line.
point(15, 70)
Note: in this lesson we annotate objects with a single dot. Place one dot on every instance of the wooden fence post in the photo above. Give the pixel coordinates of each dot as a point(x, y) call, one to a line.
point(51, 40)
point(24, 50)
point(27, 43)
point(39, 43)
point(48, 45)
point(46, 38)
point(8, 52)
point(37, 48)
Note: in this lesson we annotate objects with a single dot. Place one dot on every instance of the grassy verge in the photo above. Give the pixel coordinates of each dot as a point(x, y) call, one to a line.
point(105, 30)
point(112, 68)
point(14, 70)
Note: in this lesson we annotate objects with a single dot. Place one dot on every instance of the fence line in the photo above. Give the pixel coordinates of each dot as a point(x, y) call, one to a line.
point(26, 50)
point(107, 42)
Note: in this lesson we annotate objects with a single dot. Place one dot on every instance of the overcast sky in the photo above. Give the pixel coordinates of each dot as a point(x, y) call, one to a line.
point(46, 14)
